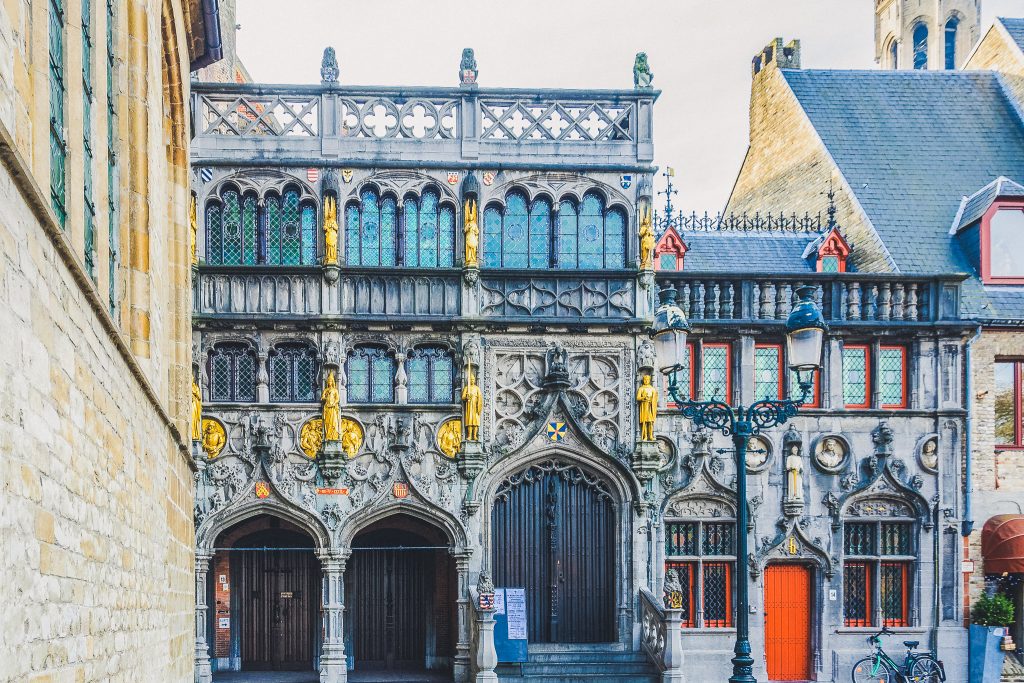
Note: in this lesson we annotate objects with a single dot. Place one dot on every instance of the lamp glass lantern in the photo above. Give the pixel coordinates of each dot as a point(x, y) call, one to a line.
point(805, 334)
point(669, 333)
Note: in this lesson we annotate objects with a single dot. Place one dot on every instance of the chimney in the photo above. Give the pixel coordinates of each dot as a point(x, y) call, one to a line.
point(774, 53)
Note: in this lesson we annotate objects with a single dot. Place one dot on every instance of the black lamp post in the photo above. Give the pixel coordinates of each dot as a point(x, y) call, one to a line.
point(805, 331)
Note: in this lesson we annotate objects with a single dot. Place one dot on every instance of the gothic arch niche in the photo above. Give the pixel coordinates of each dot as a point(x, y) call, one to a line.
point(554, 530)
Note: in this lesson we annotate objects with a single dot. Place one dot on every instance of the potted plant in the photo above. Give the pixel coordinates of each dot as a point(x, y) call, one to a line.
point(989, 619)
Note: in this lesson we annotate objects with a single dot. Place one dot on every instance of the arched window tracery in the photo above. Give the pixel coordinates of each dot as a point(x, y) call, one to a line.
point(371, 375)
point(231, 367)
point(242, 230)
point(429, 231)
point(371, 230)
point(291, 230)
point(700, 561)
point(293, 373)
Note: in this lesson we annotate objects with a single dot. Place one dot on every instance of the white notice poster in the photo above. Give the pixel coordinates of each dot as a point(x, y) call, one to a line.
point(515, 602)
point(499, 601)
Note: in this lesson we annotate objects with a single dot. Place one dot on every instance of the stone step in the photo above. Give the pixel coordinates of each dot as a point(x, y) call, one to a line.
point(573, 678)
point(588, 656)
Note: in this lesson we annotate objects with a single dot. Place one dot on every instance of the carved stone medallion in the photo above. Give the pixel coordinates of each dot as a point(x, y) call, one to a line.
point(759, 450)
point(830, 453)
point(214, 437)
point(928, 455)
point(351, 436)
point(449, 437)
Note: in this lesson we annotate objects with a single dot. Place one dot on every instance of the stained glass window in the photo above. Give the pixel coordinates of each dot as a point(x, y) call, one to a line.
point(767, 371)
point(290, 230)
point(892, 376)
point(814, 398)
point(214, 233)
point(518, 236)
point(716, 372)
point(232, 224)
point(589, 235)
point(681, 538)
point(951, 27)
point(431, 375)
point(87, 161)
point(371, 230)
point(879, 574)
point(293, 373)
point(371, 376)
point(429, 232)
point(667, 262)
point(58, 88)
point(700, 557)
point(829, 264)
point(232, 371)
point(113, 245)
point(855, 376)
point(921, 47)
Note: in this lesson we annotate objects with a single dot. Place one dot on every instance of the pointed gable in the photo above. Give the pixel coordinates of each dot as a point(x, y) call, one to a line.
point(670, 251)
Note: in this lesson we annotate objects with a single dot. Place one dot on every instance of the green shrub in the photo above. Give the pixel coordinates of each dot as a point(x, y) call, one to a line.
point(993, 610)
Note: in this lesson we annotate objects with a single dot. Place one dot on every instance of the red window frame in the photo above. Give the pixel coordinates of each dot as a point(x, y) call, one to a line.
point(814, 401)
point(867, 375)
point(986, 243)
point(779, 374)
point(904, 618)
point(717, 623)
point(833, 245)
point(728, 369)
point(904, 376)
point(1018, 403)
point(865, 619)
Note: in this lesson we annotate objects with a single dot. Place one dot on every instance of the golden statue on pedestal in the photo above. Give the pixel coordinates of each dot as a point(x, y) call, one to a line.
point(193, 224)
point(646, 240)
point(197, 412)
point(330, 231)
point(647, 404)
point(471, 228)
point(332, 409)
point(472, 406)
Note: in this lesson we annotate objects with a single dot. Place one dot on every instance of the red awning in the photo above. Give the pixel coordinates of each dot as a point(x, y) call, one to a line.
point(1002, 544)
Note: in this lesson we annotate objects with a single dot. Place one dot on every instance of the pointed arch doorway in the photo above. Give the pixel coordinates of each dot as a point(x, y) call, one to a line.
point(401, 600)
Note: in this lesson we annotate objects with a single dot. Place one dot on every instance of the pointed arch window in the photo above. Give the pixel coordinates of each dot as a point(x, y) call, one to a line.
point(429, 231)
point(293, 373)
point(951, 27)
point(518, 235)
point(921, 46)
point(590, 236)
point(431, 375)
point(371, 375)
point(291, 230)
point(232, 371)
point(231, 223)
point(242, 231)
point(371, 230)
point(894, 54)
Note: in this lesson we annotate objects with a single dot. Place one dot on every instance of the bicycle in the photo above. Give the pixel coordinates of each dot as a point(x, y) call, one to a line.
point(879, 667)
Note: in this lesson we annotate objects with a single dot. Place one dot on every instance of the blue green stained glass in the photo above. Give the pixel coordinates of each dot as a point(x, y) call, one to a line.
point(830, 264)
point(515, 242)
point(855, 376)
point(308, 219)
point(568, 230)
point(591, 232)
point(87, 121)
point(428, 230)
point(352, 235)
point(249, 230)
point(418, 370)
point(412, 232)
point(112, 189)
point(58, 145)
point(371, 374)
point(766, 373)
point(540, 234)
point(214, 234)
point(667, 262)
point(388, 231)
point(369, 233)
point(446, 237)
point(274, 219)
point(615, 239)
point(716, 373)
point(431, 375)
point(231, 248)
point(492, 237)
point(892, 376)
point(291, 236)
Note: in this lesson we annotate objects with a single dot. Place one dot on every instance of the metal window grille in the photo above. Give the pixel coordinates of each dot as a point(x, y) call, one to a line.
point(371, 231)
point(894, 593)
point(293, 373)
point(717, 594)
point(705, 581)
point(371, 375)
point(855, 376)
point(716, 372)
point(232, 369)
point(681, 538)
point(682, 598)
point(892, 376)
point(58, 89)
point(859, 538)
point(857, 594)
point(667, 262)
point(767, 372)
point(717, 538)
point(896, 538)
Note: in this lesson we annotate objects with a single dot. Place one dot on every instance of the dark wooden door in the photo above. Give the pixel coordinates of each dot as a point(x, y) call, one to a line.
point(553, 533)
point(278, 594)
point(389, 597)
point(787, 615)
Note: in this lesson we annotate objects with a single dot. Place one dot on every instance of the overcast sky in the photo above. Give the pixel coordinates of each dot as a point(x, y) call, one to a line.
point(699, 51)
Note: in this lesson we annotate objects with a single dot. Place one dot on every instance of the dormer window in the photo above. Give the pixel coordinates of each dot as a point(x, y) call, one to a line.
point(990, 229)
point(670, 251)
point(831, 252)
point(1005, 248)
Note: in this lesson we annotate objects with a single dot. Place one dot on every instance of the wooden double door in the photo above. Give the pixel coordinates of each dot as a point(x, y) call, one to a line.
point(787, 614)
point(553, 533)
point(277, 596)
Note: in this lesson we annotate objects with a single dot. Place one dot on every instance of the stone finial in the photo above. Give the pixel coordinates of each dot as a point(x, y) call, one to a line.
point(467, 68)
point(643, 77)
point(329, 67)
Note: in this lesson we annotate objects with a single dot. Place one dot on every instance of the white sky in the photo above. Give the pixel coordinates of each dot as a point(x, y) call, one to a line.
point(699, 51)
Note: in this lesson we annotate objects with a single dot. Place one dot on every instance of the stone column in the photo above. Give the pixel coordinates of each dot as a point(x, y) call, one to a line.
point(333, 665)
point(204, 674)
point(262, 378)
point(486, 655)
point(401, 380)
point(462, 668)
point(673, 648)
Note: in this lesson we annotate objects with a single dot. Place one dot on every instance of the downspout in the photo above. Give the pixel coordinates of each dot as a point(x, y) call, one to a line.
point(967, 523)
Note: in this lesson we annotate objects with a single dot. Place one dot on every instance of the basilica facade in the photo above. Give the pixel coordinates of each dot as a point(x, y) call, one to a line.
point(423, 370)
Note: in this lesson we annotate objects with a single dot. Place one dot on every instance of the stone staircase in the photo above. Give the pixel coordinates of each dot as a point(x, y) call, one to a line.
point(581, 663)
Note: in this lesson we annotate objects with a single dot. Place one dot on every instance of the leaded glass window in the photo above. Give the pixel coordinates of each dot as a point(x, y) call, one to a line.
point(293, 373)
point(371, 230)
point(291, 230)
point(879, 557)
point(113, 190)
point(591, 236)
point(232, 372)
point(667, 262)
point(700, 559)
point(518, 236)
point(429, 232)
point(855, 376)
point(431, 373)
point(921, 47)
point(231, 225)
point(87, 147)
point(371, 376)
point(767, 372)
point(715, 372)
point(58, 89)
point(814, 398)
point(951, 27)
point(892, 376)
point(829, 264)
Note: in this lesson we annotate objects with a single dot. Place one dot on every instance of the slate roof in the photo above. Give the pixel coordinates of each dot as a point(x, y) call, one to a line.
point(912, 144)
point(769, 252)
point(972, 208)
point(1015, 27)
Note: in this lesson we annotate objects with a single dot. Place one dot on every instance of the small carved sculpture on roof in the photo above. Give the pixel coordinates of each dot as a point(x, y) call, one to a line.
point(471, 229)
point(467, 68)
point(330, 231)
point(642, 74)
point(647, 241)
point(329, 66)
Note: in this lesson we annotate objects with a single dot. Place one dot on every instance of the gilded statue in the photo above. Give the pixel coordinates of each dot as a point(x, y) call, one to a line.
point(332, 409)
point(351, 437)
point(330, 231)
point(449, 438)
point(647, 404)
point(471, 228)
point(197, 412)
point(311, 437)
point(472, 406)
point(214, 438)
point(193, 224)
point(646, 240)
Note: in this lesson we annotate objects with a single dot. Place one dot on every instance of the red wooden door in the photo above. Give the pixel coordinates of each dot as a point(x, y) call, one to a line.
point(787, 615)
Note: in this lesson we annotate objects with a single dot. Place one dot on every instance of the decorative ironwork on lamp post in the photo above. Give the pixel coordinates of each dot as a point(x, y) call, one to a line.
point(805, 331)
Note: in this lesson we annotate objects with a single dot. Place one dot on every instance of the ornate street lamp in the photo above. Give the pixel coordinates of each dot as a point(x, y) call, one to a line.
point(805, 331)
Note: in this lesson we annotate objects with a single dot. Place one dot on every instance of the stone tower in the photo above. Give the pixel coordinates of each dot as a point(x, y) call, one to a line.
point(925, 34)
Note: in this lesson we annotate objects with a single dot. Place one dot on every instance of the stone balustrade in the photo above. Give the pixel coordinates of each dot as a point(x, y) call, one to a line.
point(661, 637)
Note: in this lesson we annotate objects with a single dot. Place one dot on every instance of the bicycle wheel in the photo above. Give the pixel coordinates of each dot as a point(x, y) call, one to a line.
point(872, 670)
point(925, 670)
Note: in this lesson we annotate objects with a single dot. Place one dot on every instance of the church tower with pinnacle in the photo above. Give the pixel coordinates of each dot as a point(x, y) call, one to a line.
point(925, 34)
